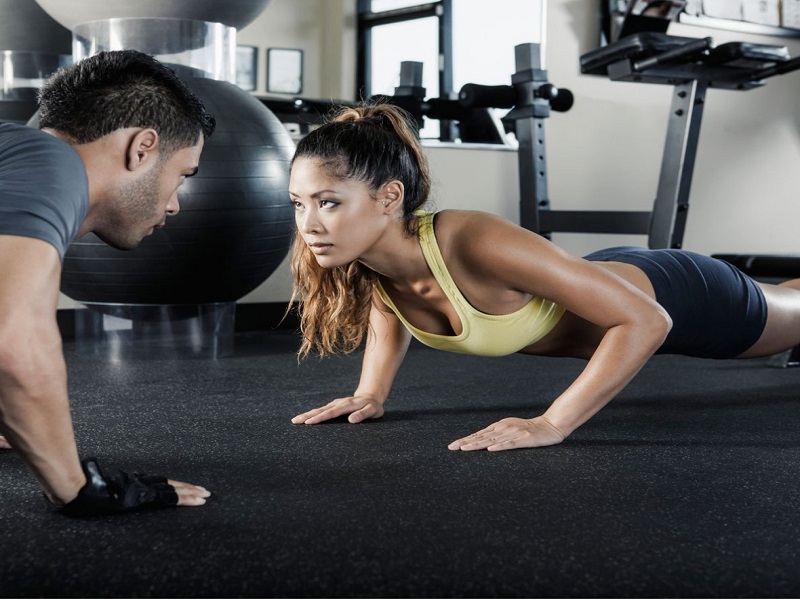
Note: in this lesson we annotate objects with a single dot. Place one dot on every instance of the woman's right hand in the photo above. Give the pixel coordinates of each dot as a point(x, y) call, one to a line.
point(359, 408)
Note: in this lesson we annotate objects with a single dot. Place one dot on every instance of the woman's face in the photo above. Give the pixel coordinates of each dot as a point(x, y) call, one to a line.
point(338, 219)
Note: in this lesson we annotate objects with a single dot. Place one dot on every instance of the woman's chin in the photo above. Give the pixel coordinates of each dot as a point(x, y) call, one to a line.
point(327, 262)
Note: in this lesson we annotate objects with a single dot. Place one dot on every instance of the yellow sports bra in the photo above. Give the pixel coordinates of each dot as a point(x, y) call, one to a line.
point(482, 334)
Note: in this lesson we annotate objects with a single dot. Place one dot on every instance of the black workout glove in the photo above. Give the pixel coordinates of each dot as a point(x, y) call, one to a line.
point(112, 491)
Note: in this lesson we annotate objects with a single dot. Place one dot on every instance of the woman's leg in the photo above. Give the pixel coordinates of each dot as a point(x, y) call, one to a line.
point(782, 330)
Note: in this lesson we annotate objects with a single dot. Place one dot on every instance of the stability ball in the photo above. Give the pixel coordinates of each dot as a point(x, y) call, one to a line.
point(234, 13)
point(234, 228)
point(32, 47)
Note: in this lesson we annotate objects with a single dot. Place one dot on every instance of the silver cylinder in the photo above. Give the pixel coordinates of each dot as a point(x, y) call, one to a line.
point(199, 48)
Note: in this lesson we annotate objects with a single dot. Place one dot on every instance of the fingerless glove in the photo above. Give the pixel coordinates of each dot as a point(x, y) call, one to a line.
point(112, 491)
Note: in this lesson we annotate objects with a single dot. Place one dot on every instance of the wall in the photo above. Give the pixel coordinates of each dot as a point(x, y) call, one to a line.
point(607, 150)
point(323, 29)
point(603, 154)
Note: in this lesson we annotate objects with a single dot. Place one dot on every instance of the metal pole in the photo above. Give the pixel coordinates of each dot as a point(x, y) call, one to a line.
point(671, 205)
point(542, 33)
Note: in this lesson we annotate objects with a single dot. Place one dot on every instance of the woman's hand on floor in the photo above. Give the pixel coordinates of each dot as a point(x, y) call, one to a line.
point(359, 408)
point(4, 445)
point(511, 433)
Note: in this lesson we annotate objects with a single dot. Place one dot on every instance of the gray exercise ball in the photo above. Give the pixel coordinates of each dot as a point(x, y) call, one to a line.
point(233, 13)
point(234, 228)
point(33, 45)
point(25, 27)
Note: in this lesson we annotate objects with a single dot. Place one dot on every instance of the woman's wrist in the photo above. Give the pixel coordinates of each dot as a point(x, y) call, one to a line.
point(560, 426)
point(376, 397)
point(554, 428)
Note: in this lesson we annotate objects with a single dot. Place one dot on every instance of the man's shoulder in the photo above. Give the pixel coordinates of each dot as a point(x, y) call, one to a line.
point(13, 133)
point(16, 132)
point(29, 147)
point(44, 190)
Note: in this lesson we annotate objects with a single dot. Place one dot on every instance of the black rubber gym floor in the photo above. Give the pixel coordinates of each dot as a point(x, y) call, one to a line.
point(684, 486)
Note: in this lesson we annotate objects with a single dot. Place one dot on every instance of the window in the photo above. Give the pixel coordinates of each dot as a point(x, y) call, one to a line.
point(457, 42)
point(484, 38)
point(394, 31)
point(390, 47)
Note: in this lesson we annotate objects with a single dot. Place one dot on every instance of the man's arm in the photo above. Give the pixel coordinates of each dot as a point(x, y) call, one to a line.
point(34, 404)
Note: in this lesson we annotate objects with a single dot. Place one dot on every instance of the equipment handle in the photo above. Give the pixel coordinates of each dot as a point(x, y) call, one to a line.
point(560, 99)
point(474, 95)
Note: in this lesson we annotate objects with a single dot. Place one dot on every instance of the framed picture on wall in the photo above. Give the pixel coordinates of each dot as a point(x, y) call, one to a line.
point(246, 67)
point(284, 71)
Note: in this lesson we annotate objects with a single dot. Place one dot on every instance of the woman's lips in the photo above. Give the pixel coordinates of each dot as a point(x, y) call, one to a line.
point(319, 248)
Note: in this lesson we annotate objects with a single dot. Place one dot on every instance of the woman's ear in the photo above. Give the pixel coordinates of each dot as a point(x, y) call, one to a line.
point(143, 147)
point(392, 195)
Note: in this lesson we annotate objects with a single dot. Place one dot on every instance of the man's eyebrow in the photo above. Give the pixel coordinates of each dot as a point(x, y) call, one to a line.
point(193, 173)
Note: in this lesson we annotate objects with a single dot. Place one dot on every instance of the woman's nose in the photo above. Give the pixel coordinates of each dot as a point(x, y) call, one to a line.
point(309, 222)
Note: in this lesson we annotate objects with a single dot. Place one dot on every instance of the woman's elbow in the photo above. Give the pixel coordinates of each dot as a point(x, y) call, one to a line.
point(659, 326)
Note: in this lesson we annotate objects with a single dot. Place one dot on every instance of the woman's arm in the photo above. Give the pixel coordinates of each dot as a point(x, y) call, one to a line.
point(635, 324)
point(386, 346)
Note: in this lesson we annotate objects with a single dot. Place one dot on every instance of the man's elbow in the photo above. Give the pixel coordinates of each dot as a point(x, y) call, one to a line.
point(20, 345)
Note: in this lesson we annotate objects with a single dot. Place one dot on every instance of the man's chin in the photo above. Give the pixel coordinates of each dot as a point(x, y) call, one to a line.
point(119, 244)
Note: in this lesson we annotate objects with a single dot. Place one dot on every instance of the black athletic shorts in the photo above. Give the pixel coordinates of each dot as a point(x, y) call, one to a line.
point(717, 311)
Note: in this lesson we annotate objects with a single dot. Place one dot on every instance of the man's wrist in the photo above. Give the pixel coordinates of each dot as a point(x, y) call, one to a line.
point(67, 491)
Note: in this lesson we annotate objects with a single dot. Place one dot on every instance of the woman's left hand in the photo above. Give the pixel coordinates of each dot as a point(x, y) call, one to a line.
point(512, 433)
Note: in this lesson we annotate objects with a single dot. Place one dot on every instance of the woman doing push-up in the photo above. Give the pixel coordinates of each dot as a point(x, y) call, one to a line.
point(369, 261)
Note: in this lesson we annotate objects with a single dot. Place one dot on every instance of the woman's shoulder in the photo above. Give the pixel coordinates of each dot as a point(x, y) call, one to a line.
point(456, 217)
point(471, 238)
point(470, 226)
point(479, 238)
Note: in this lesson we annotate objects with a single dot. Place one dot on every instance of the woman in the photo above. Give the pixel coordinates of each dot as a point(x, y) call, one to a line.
point(368, 261)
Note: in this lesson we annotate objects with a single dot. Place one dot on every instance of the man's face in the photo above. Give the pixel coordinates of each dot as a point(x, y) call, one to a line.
point(142, 204)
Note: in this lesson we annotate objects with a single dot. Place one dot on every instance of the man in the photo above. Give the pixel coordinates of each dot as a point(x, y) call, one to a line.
point(119, 134)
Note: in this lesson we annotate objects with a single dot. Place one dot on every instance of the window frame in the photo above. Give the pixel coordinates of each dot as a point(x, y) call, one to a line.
point(367, 19)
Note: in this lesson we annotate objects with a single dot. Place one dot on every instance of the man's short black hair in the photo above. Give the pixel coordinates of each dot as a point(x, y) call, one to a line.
point(118, 89)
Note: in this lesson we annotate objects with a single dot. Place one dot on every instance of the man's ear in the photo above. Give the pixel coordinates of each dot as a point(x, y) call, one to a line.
point(392, 194)
point(143, 147)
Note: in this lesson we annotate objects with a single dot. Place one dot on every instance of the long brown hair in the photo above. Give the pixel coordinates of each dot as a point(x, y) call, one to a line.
point(374, 144)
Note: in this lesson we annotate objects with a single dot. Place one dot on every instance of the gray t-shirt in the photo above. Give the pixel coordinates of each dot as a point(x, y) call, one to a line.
point(44, 192)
